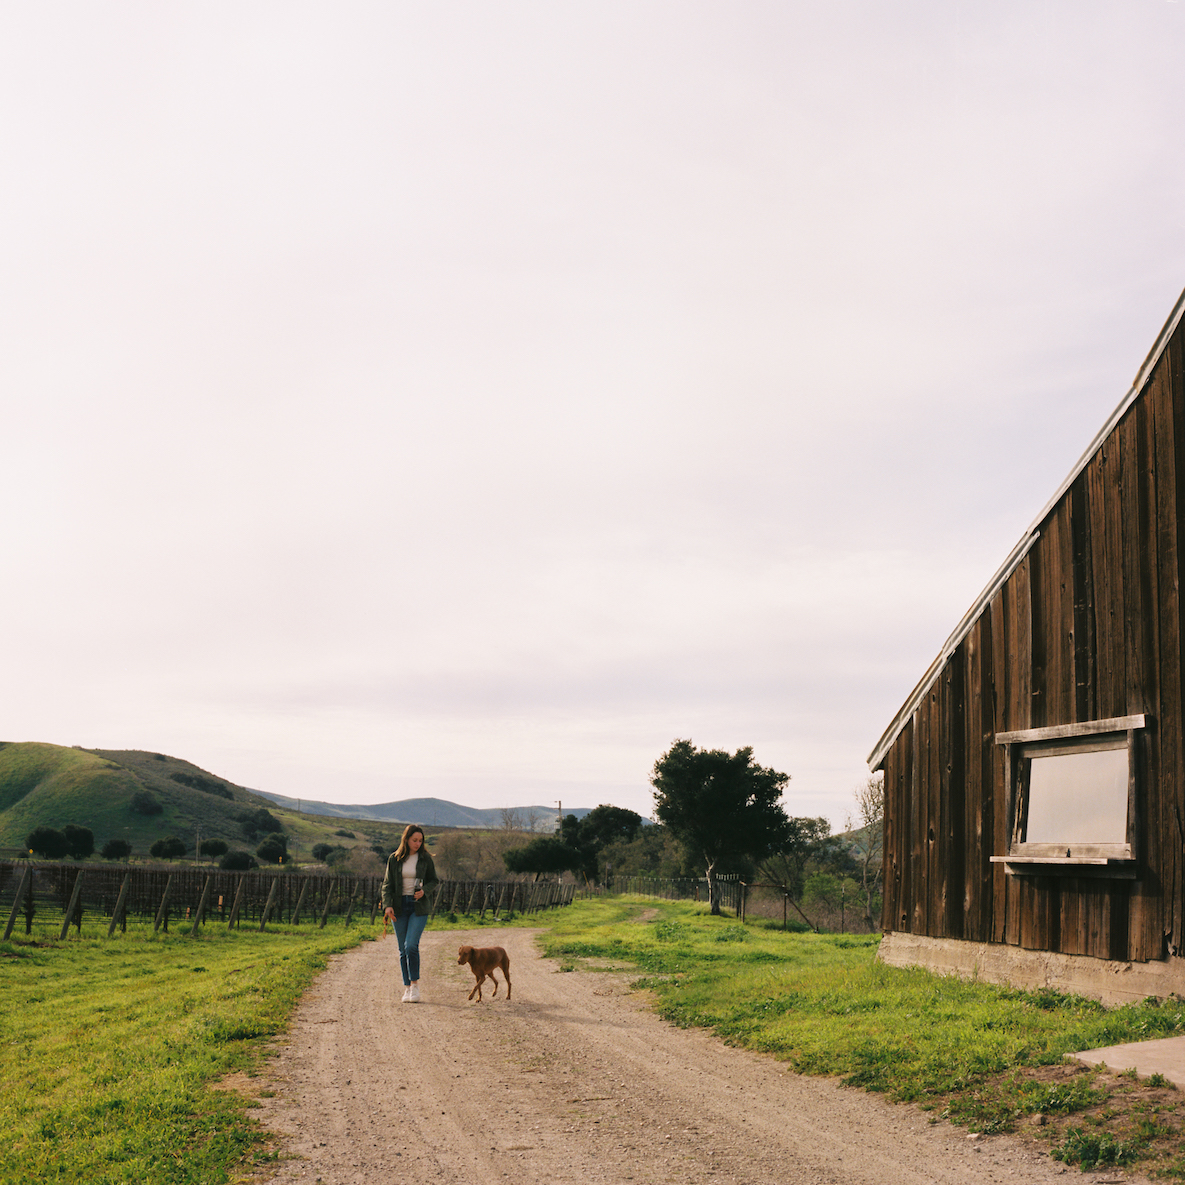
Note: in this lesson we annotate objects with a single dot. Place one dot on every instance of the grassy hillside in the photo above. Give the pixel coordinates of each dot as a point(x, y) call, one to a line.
point(52, 785)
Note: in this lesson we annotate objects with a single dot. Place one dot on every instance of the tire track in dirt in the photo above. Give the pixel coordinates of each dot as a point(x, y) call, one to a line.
point(573, 1080)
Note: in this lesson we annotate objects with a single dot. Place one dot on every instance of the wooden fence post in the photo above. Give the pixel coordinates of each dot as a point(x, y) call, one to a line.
point(232, 921)
point(74, 897)
point(164, 901)
point(353, 901)
point(197, 917)
point(123, 896)
point(271, 899)
point(501, 894)
point(26, 879)
point(328, 899)
point(300, 901)
point(435, 900)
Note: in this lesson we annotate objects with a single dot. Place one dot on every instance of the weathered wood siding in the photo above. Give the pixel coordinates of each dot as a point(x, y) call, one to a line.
point(1087, 626)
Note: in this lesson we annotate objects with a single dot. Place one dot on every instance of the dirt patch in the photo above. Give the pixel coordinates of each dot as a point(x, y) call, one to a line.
point(1127, 1109)
point(574, 1080)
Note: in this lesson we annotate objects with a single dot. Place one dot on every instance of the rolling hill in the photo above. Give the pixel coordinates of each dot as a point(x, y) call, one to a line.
point(428, 812)
point(142, 797)
point(129, 795)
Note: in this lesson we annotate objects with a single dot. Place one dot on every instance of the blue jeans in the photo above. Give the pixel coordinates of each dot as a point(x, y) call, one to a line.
point(408, 927)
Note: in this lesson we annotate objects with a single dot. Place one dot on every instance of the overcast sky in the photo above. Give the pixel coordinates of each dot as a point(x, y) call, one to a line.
point(471, 399)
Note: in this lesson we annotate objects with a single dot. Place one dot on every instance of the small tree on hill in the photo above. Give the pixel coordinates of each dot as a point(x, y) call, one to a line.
point(80, 841)
point(116, 849)
point(274, 849)
point(722, 806)
point(214, 847)
point(169, 848)
point(259, 822)
point(47, 842)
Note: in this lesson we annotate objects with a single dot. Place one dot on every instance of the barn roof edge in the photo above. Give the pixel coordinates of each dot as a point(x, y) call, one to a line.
point(1018, 553)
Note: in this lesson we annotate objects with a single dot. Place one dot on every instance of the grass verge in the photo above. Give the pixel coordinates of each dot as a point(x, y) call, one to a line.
point(109, 1048)
point(989, 1058)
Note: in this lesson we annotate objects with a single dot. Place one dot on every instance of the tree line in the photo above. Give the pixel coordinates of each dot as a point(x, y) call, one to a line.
point(718, 813)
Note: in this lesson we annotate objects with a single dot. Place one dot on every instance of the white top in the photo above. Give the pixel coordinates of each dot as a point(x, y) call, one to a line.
point(409, 874)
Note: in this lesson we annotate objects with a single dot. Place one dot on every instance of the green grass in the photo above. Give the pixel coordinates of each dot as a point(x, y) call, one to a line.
point(824, 1005)
point(108, 1048)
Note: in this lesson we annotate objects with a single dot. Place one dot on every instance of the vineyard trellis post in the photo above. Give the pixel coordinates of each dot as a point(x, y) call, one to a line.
point(201, 909)
point(271, 901)
point(232, 921)
point(26, 879)
point(328, 899)
point(71, 908)
point(123, 896)
point(162, 914)
point(308, 880)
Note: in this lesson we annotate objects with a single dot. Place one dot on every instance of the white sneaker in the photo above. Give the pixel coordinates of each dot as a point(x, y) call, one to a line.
point(413, 994)
point(407, 995)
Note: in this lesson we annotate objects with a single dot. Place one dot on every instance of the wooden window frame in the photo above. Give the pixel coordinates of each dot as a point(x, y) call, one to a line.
point(1069, 859)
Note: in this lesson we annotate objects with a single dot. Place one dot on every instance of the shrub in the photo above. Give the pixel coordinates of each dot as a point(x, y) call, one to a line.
point(238, 862)
point(205, 785)
point(347, 834)
point(261, 820)
point(169, 848)
point(144, 803)
point(214, 847)
point(273, 849)
point(47, 842)
point(321, 851)
point(116, 849)
point(80, 841)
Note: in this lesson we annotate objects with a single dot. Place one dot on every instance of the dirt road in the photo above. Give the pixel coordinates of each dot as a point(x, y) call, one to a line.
point(573, 1080)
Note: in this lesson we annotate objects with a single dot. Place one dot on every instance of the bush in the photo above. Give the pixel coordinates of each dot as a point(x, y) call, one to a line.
point(257, 821)
point(144, 803)
point(321, 851)
point(347, 834)
point(47, 842)
point(80, 841)
point(116, 849)
point(214, 847)
point(205, 785)
point(169, 848)
point(238, 862)
point(273, 849)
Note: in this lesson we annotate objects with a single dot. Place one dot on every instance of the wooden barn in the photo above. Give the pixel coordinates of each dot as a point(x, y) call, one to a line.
point(1035, 776)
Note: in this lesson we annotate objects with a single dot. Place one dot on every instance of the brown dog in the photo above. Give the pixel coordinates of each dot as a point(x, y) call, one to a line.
point(483, 960)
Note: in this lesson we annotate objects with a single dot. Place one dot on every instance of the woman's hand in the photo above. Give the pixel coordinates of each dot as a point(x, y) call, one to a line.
point(389, 913)
point(418, 894)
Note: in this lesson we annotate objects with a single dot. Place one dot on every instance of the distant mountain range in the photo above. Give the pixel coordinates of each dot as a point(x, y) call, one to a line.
point(430, 812)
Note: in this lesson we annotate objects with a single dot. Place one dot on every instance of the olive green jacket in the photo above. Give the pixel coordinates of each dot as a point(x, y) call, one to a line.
point(393, 881)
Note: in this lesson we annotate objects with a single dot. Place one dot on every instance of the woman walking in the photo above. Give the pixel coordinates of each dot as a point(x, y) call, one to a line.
point(409, 872)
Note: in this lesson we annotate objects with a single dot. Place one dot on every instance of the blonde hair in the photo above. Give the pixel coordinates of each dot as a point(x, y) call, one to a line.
point(402, 850)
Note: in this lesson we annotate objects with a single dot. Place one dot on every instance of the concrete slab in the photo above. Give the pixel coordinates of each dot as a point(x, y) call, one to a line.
point(1164, 1056)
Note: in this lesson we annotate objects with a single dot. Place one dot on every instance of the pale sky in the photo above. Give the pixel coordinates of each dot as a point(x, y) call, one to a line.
point(468, 400)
